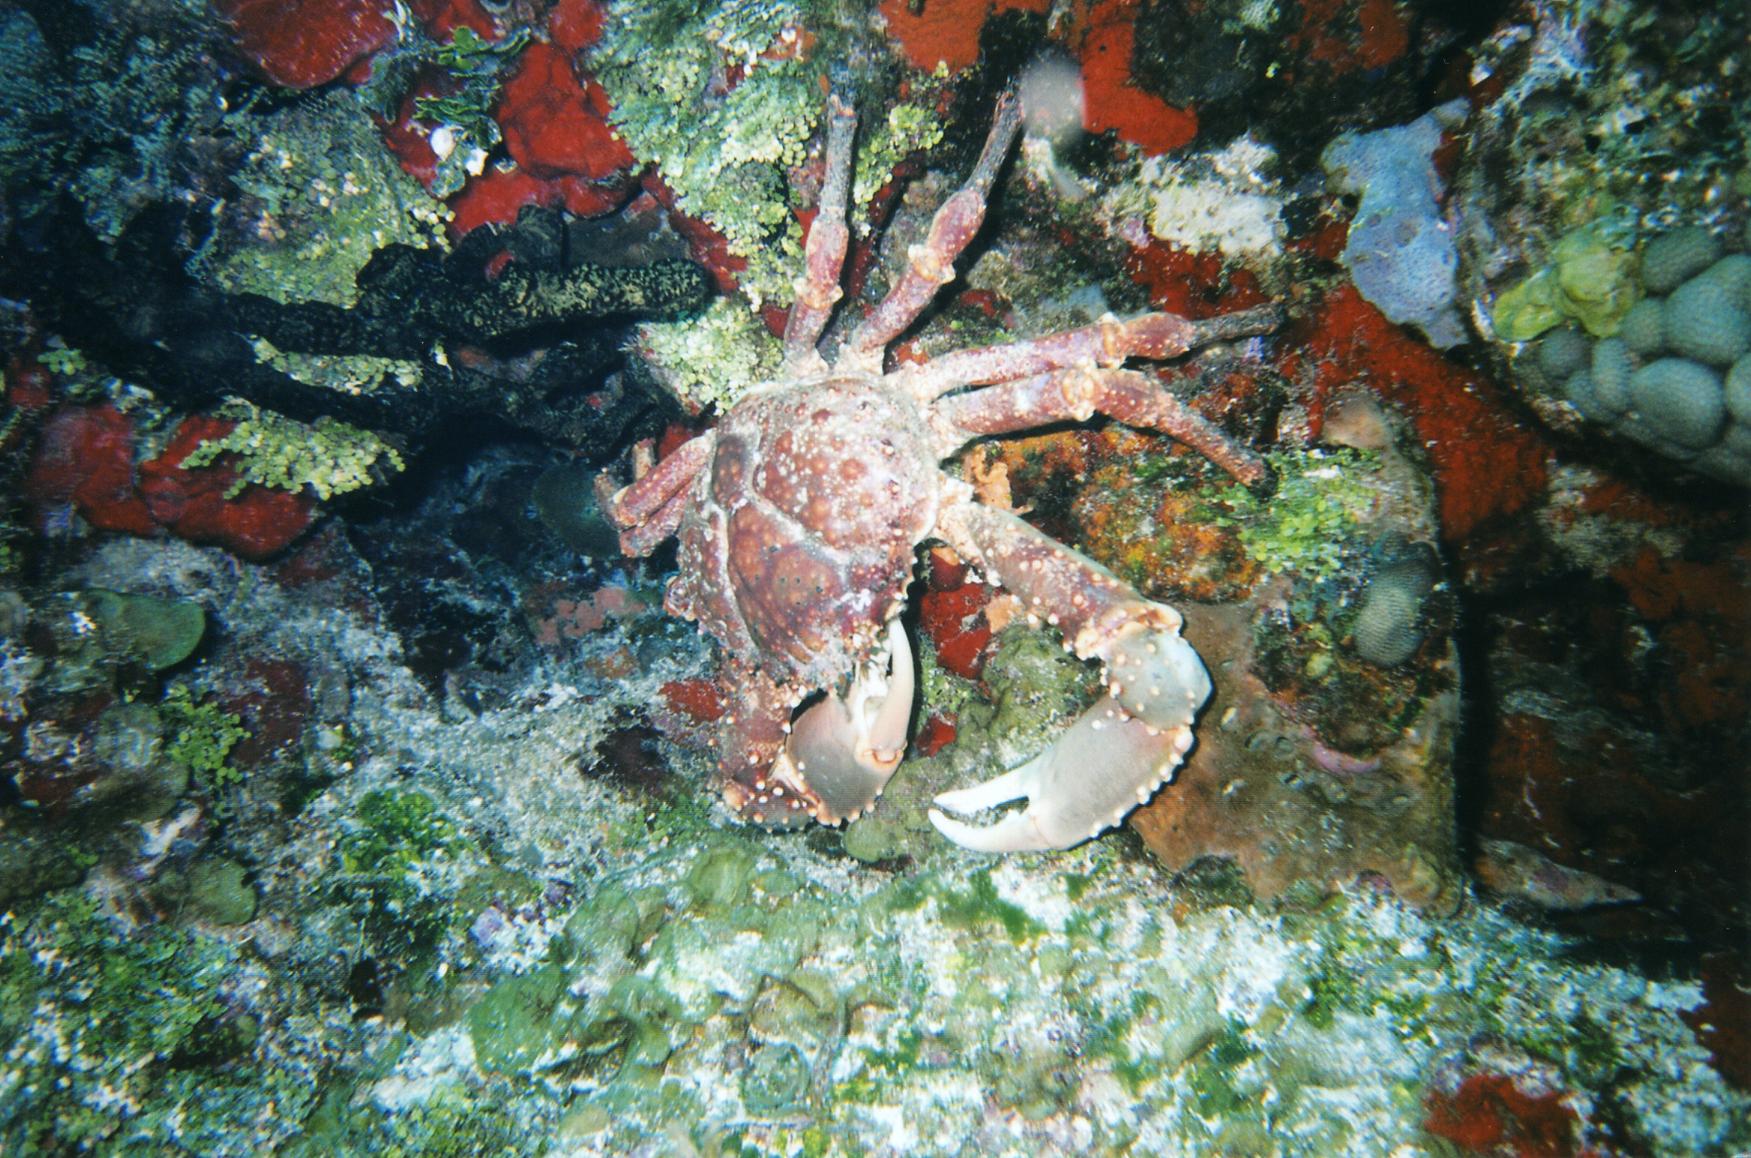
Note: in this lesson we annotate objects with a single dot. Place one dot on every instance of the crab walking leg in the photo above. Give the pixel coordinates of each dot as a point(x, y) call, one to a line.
point(750, 738)
point(930, 266)
point(652, 499)
point(1123, 748)
point(638, 541)
point(1109, 342)
point(817, 291)
point(1077, 394)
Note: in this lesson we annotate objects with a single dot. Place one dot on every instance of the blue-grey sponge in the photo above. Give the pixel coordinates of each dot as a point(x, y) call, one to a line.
point(1678, 255)
point(1705, 320)
point(1679, 400)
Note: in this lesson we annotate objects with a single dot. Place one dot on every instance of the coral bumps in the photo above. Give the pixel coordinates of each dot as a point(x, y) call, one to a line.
point(1675, 375)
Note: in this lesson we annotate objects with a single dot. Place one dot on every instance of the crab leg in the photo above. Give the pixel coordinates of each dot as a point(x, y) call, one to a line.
point(648, 511)
point(1076, 394)
point(1109, 342)
point(930, 266)
point(750, 739)
point(1123, 748)
point(824, 254)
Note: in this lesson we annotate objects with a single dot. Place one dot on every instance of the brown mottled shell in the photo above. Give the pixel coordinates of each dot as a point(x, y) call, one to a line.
point(803, 530)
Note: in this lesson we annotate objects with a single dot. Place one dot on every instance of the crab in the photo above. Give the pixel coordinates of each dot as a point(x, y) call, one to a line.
point(800, 514)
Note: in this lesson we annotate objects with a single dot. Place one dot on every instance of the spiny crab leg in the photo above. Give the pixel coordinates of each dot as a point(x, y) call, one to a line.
point(930, 266)
point(842, 750)
point(648, 511)
point(817, 291)
point(1077, 394)
point(1119, 751)
point(1109, 342)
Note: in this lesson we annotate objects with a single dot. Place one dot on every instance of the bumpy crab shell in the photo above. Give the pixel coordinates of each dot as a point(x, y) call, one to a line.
point(800, 515)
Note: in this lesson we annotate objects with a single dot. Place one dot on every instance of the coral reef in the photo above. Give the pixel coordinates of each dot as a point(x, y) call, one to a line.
point(357, 795)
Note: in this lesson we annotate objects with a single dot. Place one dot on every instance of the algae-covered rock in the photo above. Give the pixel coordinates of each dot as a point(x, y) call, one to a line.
point(720, 877)
point(322, 196)
point(645, 1018)
point(161, 632)
point(514, 1027)
point(219, 890)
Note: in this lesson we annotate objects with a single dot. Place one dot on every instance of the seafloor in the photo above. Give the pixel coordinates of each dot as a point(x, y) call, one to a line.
point(360, 795)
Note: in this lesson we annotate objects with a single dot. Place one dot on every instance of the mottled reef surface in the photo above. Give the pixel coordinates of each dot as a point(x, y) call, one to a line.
point(358, 794)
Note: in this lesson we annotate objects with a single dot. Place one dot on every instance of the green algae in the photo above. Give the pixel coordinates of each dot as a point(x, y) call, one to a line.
point(202, 735)
point(1306, 526)
point(725, 158)
point(328, 456)
point(323, 196)
point(712, 360)
point(121, 1040)
point(974, 908)
point(726, 153)
point(512, 1026)
point(383, 875)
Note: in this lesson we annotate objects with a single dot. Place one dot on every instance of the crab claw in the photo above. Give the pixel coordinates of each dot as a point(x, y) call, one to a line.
point(842, 750)
point(1111, 759)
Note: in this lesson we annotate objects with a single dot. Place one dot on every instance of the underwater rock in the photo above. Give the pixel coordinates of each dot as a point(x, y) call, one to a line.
point(565, 500)
point(162, 632)
point(1515, 872)
point(1259, 780)
point(219, 890)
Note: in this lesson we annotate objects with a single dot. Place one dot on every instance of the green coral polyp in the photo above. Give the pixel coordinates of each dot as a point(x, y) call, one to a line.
point(330, 457)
